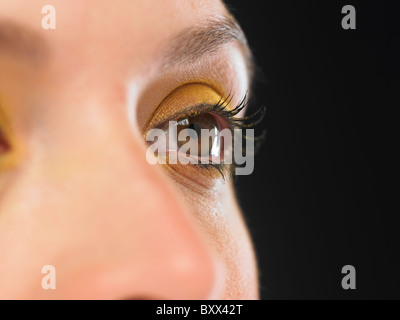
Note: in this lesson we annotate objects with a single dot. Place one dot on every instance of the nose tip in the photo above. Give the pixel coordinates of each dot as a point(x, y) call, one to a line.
point(183, 276)
point(191, 275)
point(187, 272)
point(154, 252)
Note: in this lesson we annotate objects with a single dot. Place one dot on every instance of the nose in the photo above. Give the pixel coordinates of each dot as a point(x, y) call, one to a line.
point(112, 225)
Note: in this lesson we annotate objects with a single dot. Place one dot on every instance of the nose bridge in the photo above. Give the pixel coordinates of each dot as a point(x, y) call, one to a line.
point(132, 236)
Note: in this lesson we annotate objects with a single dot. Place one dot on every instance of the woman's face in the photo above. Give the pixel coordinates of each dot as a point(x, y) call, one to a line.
point(76, 189)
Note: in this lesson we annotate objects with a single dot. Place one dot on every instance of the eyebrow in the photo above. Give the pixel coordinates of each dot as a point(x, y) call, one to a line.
point(193, 43)
point(188, 46)
point(16, 40)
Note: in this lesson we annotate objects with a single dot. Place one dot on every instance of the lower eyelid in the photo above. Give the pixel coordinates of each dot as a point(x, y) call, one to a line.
point(198, 179)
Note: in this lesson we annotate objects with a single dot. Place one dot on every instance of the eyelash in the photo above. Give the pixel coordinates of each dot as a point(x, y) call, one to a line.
point(247, 122)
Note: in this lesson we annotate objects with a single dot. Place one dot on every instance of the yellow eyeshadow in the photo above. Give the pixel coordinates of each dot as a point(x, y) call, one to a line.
point(180, 100)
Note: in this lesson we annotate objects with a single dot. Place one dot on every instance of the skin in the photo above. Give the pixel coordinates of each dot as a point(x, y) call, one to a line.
point(76, 191)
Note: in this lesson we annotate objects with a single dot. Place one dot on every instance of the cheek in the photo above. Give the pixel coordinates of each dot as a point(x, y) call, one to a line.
point(221, 220)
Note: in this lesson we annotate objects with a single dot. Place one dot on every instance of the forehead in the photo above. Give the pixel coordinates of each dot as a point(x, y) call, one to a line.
point(117, 13)
point(126, 27)
point(99, 46)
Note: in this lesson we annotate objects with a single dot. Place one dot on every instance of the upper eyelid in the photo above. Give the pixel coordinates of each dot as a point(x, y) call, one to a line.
point(220, 108)
point(200, 108)
point(186, 98)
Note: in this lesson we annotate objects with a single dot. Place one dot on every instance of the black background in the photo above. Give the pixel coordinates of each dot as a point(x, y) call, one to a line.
point(325, 190)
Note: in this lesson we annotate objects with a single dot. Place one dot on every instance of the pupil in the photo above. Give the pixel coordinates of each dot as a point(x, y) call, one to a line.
point(204, 146)
point(196, 128)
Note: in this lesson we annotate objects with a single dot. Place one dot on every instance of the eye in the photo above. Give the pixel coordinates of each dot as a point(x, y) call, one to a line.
point(195, 130)
point(198, 141)
point(202, 136)
point(4, 147)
